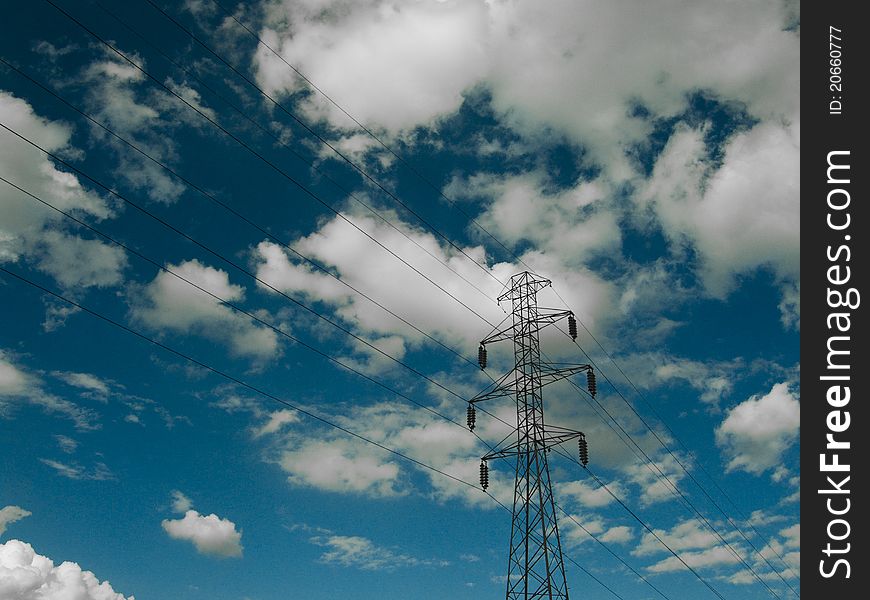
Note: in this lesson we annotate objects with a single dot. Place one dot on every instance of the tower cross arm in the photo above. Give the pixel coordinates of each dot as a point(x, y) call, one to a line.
point(551, 436)
point(550, 374)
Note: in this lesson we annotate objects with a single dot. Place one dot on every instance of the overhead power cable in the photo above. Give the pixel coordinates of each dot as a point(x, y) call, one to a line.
point(320, 138)
point(233, 211)
point(292, 338)
point(410, 166)
point(682, 495)
point(232, 263)
point(191, 107)
point(648, 528)
point(683, 467)
point(308, 192)
point(283, 143)
point(259, 391)
point(474, 221)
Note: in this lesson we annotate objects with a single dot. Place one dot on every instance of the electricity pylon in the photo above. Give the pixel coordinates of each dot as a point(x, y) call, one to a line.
point(535, 567)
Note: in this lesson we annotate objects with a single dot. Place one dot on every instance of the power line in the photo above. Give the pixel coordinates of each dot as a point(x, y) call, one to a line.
point(261, 392)
point(606, 547)
point(233, 211)
point(682, 495)
point(290, 337)
point(234, 379)
point(411, 167)
point(687, 471)
point(648, 528)
point(228, 303)
point(323, 140)
point(259, 320)
point(224, 131)
point(371, 134)
point(262, 158)
point(281, 142)
point(176, 230)
point(691, 477)
point(651, 464)
point(235, 265)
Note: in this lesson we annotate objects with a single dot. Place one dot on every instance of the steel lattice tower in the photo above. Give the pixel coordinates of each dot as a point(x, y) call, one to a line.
point(535, 567)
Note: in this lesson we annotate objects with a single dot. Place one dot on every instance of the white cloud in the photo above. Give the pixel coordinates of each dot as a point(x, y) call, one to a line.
point(573, 224)
point(114, 100)
point(276, 421)
point(713, 379)
point(391, 66)
point(10, 514)
point(74, 261)
point(168, 303)
point(333, 461)
point(180, 502)
point(32, 231)
point(655, 479)
point(374, 272)
point(695, 544)
point(98, 472)
point(18, 385)
point(85, 381)
point(621, 534)
point(792, 536)
point(210, 534)
point(395, 68)
point(588, 495)
point(340, 465)
point(756, 432)
point(544, 67)
point(362, 553)
point(740, 217)
point(695, 559)
point(686, 535)
point(26, 575)
point(67, 444)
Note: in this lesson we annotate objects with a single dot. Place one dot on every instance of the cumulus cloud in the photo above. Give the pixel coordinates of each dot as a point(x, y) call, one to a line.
point(31, 231)
point(332, 461)
point(341, 466)
point(695, 559)
point(210, 534)
point(169, 304)
point(740, 217)
point(424, 56)
point(277, 420)
point(712, 379)
point(621, 534)
point(10, 514)
point(686, 535)
point(26, 575)
point(374, 272)
point(627, 65)
point(589, 495)
point(397, 68)
point(756, 432)
point(573, 224)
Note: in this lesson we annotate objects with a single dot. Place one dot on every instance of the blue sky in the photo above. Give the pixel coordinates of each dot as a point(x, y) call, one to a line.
point(642, 158)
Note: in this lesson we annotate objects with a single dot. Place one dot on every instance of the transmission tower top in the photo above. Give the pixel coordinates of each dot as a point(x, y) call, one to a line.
point(535, 567)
